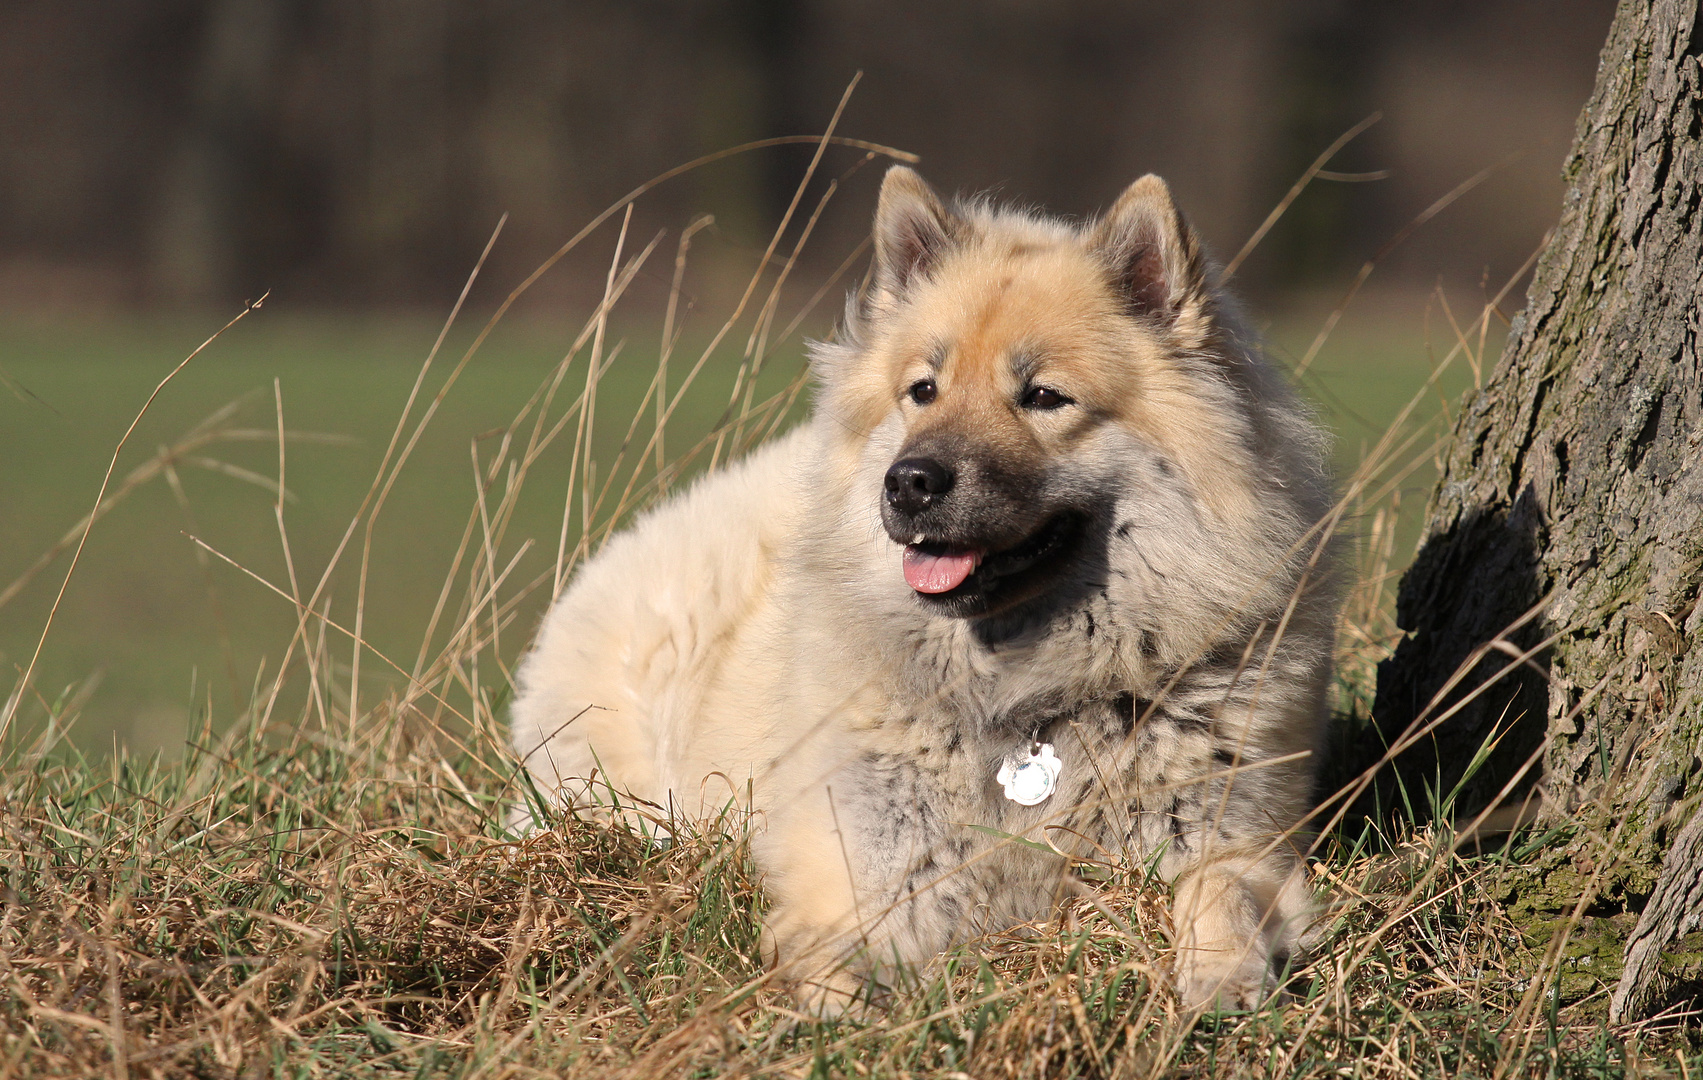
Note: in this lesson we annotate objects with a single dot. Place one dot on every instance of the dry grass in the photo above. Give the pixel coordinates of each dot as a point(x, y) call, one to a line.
point(349, 906)
point(326, 889)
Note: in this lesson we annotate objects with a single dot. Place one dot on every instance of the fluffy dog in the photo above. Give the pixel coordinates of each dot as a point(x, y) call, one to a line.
point(1043, 564)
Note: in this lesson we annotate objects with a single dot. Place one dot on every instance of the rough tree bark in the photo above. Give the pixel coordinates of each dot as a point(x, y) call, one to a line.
point(1574, 475)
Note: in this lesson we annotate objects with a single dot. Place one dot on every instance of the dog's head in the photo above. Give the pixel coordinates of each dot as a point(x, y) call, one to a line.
point(1013, 361)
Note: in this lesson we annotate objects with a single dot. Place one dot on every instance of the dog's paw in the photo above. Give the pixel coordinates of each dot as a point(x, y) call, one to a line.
point(821, 979)
point(1236, 925)
point(1210, 984)
point(833, 995)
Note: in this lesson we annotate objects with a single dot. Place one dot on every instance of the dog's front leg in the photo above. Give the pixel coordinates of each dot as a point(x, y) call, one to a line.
point(816, 935)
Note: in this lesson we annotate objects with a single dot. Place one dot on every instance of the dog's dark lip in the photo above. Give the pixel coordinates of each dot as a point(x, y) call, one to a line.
point(941, 547)
point(1055, 535)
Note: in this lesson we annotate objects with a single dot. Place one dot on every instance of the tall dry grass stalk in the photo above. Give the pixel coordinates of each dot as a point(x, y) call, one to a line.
point(322, 885)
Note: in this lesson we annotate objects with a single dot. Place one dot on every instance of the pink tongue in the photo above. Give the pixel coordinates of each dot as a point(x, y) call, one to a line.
point(938, 573)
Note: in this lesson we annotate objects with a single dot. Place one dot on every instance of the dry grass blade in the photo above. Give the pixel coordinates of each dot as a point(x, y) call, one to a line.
point(9, 711)
point(1315, 171)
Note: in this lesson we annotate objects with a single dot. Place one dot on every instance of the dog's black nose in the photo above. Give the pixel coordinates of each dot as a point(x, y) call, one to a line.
point(915, 484)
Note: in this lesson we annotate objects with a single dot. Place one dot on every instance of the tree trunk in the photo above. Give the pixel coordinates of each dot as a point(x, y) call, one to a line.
point(1574, 476)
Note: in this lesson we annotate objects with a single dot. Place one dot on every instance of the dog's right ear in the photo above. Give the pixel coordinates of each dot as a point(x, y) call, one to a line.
point(913, 228)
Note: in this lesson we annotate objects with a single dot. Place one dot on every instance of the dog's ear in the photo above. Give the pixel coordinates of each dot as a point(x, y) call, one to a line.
point(1154, 257)
point(913, 228)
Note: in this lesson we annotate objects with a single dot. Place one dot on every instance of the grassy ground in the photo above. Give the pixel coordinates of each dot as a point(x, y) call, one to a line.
point(320, 905)
point(317, 884)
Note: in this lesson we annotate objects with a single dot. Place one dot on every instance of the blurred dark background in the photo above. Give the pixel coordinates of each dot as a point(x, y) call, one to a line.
point(358, 152)
point(163, 160)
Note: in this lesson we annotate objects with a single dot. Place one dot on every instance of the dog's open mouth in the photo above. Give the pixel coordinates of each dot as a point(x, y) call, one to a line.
point(936, 568)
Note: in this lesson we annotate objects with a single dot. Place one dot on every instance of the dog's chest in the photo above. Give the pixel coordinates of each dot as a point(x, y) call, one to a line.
point(926, 792)
point(920, 803)
point(931, 781)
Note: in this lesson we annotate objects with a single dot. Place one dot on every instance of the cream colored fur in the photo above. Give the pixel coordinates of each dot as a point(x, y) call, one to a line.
point(754, 642)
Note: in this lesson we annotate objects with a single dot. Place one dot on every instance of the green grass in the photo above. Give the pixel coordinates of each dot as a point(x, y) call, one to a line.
point(142, 616)
point(160, 632)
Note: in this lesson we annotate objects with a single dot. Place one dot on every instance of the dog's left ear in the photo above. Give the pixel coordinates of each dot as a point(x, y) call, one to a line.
point(1154, 257)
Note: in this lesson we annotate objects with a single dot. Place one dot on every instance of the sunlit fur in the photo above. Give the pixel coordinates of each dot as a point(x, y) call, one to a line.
point(754, 640)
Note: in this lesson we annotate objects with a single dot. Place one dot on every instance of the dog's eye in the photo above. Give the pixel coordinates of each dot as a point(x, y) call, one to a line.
point(922, 391)
point(1044, 397)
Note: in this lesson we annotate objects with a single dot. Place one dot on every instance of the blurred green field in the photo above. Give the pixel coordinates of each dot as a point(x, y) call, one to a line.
point(157, 640)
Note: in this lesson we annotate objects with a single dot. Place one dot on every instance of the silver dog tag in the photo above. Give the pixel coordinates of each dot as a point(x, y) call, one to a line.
point(1030, 776)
